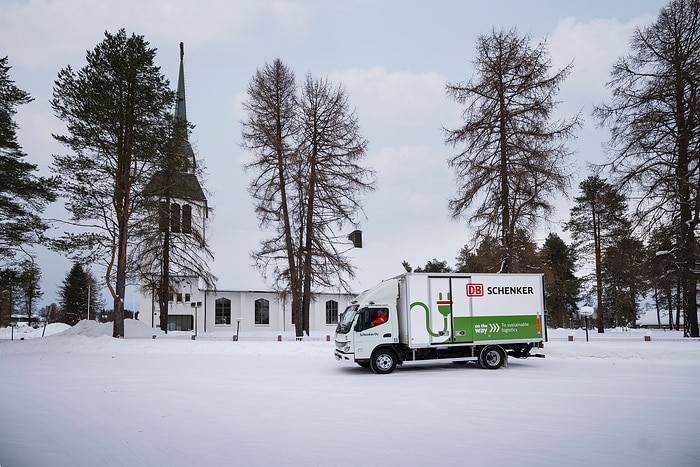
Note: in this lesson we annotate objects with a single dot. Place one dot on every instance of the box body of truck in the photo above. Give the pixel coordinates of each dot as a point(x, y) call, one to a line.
point(422, 316)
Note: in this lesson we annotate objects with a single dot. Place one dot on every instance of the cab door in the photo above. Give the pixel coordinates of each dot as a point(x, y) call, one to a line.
point(375, 325)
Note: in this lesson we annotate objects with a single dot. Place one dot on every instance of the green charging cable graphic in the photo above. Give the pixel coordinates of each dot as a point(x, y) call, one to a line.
point(444, 308)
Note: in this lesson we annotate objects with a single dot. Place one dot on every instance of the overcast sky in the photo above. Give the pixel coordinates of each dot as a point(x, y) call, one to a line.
point(393, 57)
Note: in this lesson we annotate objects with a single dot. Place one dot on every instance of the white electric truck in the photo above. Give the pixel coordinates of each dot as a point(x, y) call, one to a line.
point(482, 318)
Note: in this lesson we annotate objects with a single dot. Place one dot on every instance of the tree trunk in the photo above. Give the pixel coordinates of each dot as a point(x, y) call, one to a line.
point(120, 288)
point(598, 269)
point(164, 294)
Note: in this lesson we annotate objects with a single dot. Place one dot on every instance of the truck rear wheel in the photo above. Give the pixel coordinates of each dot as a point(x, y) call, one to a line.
point(492, 357)
point(383, 361)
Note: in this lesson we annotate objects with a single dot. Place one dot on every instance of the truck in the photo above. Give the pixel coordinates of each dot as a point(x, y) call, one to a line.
point(482, 318)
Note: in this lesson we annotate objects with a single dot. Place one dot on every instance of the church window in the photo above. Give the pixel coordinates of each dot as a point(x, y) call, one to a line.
point(187, 219)
point(175, 218)
point(262, 311)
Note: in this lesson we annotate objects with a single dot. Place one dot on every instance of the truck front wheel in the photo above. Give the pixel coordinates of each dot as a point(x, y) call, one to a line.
point(492, 357)
point(383, 361)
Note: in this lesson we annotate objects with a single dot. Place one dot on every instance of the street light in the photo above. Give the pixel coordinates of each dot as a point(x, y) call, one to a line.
point(356, 238)
point(238, 326)
point(586, 311)
point(196, 306)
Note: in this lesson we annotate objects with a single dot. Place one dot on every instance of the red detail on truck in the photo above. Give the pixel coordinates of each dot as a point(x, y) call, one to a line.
point(475, 290)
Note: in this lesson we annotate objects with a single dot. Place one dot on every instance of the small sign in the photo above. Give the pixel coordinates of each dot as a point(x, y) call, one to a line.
point(586, 311)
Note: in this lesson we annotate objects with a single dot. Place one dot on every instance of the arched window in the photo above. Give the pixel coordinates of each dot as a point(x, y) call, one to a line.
point(222, 311)
point(262, 311)
point(331, 312)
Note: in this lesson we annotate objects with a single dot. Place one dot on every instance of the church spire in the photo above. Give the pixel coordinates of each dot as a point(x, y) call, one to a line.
point(181, 106)
point(183, 143)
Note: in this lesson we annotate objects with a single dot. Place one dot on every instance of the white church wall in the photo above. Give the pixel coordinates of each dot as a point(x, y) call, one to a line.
point(239, 310)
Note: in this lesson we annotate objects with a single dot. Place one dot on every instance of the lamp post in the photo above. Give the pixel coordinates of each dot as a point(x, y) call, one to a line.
point(196, 306)
point(586, 311)
point(238, 327)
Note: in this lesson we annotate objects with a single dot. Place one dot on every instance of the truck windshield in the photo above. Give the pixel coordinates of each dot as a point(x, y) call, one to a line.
point(346, 319)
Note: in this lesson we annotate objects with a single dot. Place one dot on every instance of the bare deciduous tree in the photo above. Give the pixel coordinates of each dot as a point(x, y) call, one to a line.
point(515, 159)
point(654, 119)
point(307, 179)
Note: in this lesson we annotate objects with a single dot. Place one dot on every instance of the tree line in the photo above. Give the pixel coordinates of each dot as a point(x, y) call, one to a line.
point(634, 219)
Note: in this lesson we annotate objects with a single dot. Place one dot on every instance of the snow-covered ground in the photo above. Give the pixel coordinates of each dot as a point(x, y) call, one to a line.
point(78, 397)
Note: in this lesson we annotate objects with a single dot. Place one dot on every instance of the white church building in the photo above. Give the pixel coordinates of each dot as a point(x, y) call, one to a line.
point(193, 307)
point(199, 310)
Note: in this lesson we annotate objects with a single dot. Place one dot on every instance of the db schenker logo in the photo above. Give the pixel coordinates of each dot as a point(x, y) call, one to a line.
point(475, 290)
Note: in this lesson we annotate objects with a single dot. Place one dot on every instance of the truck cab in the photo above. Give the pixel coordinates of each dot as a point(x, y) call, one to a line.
point(368, 323)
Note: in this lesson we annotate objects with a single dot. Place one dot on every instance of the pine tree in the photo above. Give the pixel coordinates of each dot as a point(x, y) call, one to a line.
point(116, 109)
point(598, 220)
point(562, 287)
point(23, 195)
point(74, 295)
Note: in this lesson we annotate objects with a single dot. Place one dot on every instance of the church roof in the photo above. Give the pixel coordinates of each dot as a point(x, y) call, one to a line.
point(182, 185)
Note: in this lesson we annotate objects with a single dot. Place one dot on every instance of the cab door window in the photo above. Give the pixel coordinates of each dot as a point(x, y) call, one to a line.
point(371, 317)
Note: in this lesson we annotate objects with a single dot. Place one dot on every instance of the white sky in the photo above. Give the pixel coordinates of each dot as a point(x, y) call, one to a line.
point(394, 59)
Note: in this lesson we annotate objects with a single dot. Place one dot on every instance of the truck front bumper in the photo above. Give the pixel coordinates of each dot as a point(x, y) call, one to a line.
point(344, 357)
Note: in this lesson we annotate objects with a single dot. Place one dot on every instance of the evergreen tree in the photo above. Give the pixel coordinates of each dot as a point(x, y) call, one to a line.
point(598, 220)
point(29, 277)
point(79, 295)
point(434, 266)
point(9, 278)
point(116, 109)
point(562, 287)
point(23, 195)
point(662, 271)
point(623, 280)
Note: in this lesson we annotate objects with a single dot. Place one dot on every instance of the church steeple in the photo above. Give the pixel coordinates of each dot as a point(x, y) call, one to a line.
point(181, 105)
point(183, 144)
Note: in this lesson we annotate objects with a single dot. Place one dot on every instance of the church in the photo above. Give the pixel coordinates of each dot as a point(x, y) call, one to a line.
point(193, 306)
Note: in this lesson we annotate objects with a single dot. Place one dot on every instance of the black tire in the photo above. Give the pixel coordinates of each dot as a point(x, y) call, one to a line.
point(492, 357)
point(383, 361)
